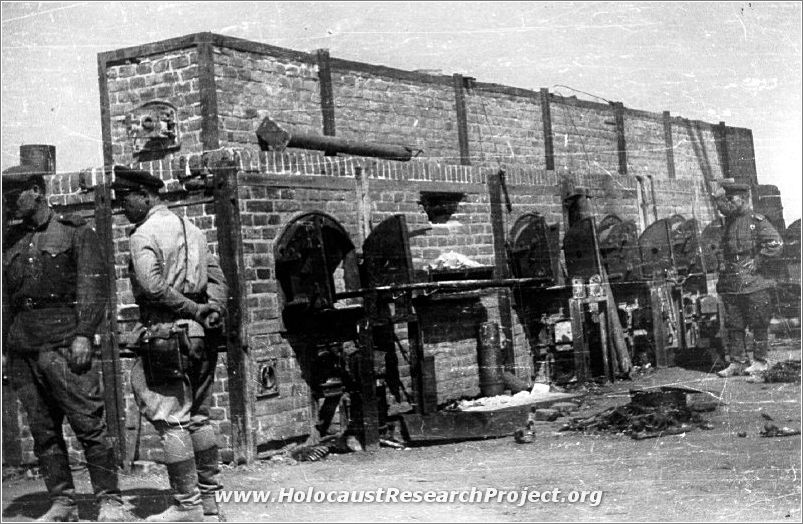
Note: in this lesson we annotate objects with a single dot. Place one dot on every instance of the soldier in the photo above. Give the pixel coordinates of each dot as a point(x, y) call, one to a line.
point(54, 293)
point(748, 241)
point(182, 293)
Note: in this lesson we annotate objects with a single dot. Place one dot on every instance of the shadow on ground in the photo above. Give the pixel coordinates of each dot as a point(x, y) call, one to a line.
point(140, 501)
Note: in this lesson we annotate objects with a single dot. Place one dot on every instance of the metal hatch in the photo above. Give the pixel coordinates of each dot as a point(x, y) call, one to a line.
point(307, 255)
point(655, 244)
point(386, 254)
point(581, 250)
point(618, 248)
point(533, 252)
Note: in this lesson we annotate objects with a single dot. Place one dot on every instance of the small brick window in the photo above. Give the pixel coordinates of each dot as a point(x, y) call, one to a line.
point(440, 205)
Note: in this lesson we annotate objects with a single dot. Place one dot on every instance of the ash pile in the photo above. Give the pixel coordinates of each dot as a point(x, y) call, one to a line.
point(651, 413)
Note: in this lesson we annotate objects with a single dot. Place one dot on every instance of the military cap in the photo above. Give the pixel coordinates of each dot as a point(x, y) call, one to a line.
point(733, 188)
point(20, 178)
point(128, 179)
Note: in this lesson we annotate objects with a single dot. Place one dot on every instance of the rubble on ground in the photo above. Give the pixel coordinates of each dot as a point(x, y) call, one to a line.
point(650, 414)
point(786, 371)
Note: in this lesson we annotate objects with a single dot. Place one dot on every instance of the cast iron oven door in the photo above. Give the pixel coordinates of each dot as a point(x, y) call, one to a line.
point(307, 256)
point(533, 252)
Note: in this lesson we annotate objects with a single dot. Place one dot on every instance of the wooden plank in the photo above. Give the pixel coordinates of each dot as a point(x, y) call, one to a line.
point(501, 269)
point(105, 113)
point(659, 333)
point(721, 131)
point(327, 94)
point(621, 144)
point(454, 425)
point(546, 120)
point(670, 147)
point(462, 122)
point(208, 92)
point(579, 343)
point(368, 407)
point(238, 363)
point(107, 330)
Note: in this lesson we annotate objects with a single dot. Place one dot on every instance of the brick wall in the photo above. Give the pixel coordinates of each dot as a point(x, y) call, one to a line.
point(171, 77)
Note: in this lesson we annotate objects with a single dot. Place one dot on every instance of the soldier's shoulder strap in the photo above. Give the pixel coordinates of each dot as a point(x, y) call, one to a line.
point(74, 220)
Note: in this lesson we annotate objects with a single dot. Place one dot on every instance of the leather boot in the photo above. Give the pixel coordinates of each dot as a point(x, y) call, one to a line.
point(207, 462)
point(55, 469)
point(212, 511)
point(103, 473)
point(187, 506)
point(761, 349)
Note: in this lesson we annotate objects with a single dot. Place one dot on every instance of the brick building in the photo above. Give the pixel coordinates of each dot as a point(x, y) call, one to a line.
point(219, 89)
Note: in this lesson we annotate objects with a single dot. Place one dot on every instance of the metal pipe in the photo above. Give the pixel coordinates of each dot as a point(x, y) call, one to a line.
point(448, 285)
point(273, 136)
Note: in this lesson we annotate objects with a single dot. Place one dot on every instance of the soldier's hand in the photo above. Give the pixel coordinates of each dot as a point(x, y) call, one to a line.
point(718, 192)
point(80, 355)
point(209, 316)
point(212, 320)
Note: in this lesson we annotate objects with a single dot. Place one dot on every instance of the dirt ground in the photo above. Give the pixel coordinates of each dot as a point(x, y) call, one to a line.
point(713, 475)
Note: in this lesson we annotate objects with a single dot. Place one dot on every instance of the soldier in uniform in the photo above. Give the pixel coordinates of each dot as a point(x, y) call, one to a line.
point(748, 241)
point(179, 288)
point(54, 293)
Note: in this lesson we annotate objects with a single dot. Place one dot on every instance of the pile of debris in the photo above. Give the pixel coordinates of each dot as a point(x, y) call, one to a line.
point(786, 371)
point(651, 413)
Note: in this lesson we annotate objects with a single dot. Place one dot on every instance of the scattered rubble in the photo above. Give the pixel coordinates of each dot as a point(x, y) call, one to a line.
point(651, 413)
point(786, 371)
point(771, 430)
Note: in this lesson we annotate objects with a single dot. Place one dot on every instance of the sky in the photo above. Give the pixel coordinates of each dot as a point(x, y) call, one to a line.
point(737, 62)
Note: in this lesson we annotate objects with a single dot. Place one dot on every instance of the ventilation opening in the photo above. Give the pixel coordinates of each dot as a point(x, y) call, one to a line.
point(440, 205)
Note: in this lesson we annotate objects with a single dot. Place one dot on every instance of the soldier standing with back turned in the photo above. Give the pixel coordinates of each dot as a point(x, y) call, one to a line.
point(748, 240)
point(54, 293)
point(182, 294)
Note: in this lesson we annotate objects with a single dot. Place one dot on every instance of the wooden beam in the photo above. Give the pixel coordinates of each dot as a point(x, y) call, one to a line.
point(546, 119)
point(724, 156)
point(210, 138)
point(238, 363)
point(107, 331)
point(327, 94)
point(501, 268)
point(105, 113)
point(462, 121)
point(621, 144)
point(670, 146)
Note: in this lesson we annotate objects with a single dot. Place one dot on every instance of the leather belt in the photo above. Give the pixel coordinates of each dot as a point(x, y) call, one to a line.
point(46, 302)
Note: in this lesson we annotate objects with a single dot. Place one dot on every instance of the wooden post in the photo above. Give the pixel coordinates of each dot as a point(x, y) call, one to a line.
point(462, 122)
point(546, 120)
point(621, 144)
point(368, 406)
point(363, 203)
point(579, 343)
point(107, 331)
point(230, 248)
point(501, 269)
point(327, 94)
point(207, 91)
point(670, 147)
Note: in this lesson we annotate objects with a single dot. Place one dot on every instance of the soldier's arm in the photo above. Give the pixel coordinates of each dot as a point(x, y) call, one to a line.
point(770, 242)
point(216, 289)
point(91, 285)
point(148, 272)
